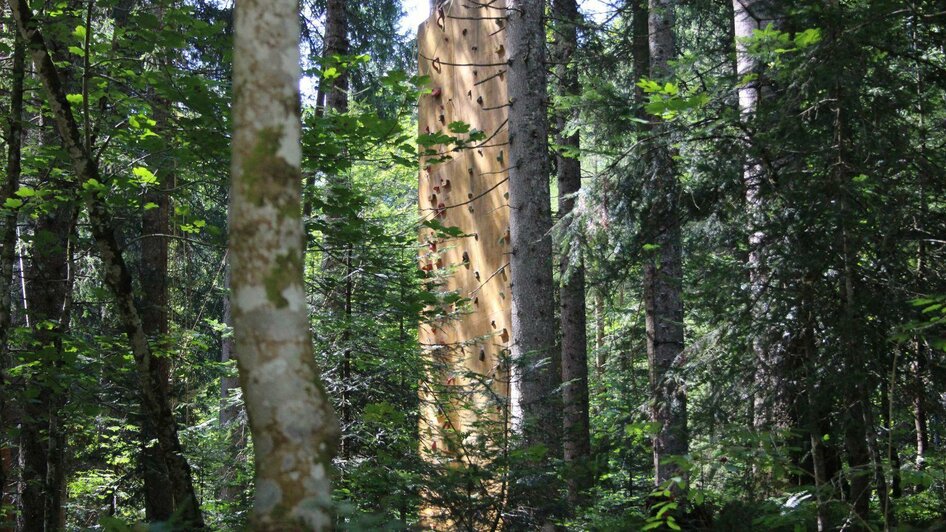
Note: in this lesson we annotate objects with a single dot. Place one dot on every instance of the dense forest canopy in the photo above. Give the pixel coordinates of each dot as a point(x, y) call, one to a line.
point(725, 267)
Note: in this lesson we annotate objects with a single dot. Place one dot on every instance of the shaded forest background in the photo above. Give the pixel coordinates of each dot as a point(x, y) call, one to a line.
point(747, 227)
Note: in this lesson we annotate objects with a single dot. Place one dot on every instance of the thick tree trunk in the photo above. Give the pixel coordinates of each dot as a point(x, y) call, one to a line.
point(159, 502)
point(336, 43)
point(294, 429)
point(576, 437)
point(14, 138)
point(156, 405)
point(49, 286)
point(663, 274)
point(534, 352)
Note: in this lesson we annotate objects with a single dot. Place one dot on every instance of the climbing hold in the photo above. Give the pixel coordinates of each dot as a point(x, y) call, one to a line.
point(466, 259)
point(464, 31)
point(469, 196)
point(476, 275)
point(504, 336)
point(482, 355)
point(437, 93)
point(493, 324)
point(479, 100)
point(501, 50)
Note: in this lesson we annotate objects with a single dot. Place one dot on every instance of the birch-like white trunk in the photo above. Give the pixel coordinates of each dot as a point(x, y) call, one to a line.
point(293, 426)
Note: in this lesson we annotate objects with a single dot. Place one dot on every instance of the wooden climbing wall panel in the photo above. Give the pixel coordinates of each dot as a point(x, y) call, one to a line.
point(461, 47)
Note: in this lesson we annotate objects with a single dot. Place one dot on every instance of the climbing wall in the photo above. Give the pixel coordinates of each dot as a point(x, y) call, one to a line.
point(461, 48)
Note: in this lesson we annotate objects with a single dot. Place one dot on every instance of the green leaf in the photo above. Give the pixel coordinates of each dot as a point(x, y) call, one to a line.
point(150, 205)
point(145, 177)
point(808, 37)
point(74, 99)
point(25, 192)
point(458, 127)
point(13, 203)
point(77, 51)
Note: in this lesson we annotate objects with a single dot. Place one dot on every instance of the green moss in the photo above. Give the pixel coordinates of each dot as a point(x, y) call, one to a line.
point(268, 178)
point(287, 271)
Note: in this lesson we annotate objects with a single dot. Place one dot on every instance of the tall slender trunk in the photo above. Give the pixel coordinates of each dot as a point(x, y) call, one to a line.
point(857, 415)
point(339, 263)
point(8, 239)
point(294, 429)
point(770, 410)
point(576, 437)
point(117, 277)
point(534, 351)
point(229, 412)
point(663, 273)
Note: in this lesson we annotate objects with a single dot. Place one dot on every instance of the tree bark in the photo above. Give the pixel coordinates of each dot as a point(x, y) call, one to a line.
point(117, 277)
point(770, 408)
point(534, 352)
point(159, 501)
point(14, 140)
point(293, 426)
point(576, 437)
point(663, 274)
point(229, 412)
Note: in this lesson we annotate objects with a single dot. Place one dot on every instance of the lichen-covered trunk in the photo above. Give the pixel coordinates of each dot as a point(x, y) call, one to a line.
point(8, 256)
point(772, 403)
point(293, 426)
point(663, 274)
point(576, 443)
point(156, 405)
point(535, 355)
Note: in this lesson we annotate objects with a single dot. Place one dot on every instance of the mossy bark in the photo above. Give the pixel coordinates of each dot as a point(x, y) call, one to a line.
point(294, 428)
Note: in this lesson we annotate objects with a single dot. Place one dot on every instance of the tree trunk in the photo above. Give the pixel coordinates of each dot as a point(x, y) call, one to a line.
point(770, 410)
point(159, 502)
point(333, 266)
point(293, 426)
point(7, 258)
point(156, 404)
point(534, 352)
point(576, 437)
point(663, 274)
point(229, 412)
